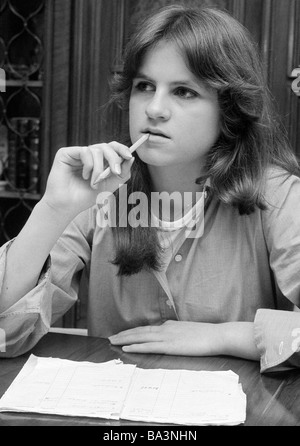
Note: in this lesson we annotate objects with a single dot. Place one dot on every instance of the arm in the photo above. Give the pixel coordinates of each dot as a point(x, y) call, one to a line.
point(44, 227)
point(69, 191)
point(56, 291)
point(277, 331)
point(191, 339)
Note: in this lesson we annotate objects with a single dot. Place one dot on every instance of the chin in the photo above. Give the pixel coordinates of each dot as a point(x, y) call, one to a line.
point(152, 159)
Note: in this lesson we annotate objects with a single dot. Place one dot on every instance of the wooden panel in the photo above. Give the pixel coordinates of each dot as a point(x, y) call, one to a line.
point(57, 77)
point(46, 120)
point(112, 44)
point(294, 62)
point(77, 72)
point(116, 119)
point(140, 8)
point(254, 11)
point(94, 50)
point(274, 25)
point(237, 9)
point(278, 60)
point(284, 51)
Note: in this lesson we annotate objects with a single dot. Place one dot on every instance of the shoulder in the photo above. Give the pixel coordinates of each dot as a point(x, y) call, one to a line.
point(280, 187)
point(281, 222)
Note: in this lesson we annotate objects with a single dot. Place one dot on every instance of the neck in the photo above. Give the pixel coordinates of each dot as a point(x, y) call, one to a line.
point(179, 179)
point(175, 178)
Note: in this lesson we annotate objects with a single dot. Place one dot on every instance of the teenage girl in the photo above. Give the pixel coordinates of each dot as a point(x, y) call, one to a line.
point(193, 82)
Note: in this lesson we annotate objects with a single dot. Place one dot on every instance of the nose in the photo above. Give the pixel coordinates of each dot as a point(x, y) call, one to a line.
point(158, 107)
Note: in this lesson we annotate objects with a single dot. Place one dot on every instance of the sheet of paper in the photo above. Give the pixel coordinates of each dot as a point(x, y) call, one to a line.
point(115, 390)
point(56, 386)
point(185, 397)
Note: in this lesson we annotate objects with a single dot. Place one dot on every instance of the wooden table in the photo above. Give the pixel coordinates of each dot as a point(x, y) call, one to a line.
point(272, 399)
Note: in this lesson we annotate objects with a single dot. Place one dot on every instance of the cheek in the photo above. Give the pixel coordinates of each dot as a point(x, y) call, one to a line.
point(204, 127)
point(130, 108)
point(214, 127)
point(216, 118)
point(209, 124)
point(199, 136)
point(135, 113)
point(132, 118)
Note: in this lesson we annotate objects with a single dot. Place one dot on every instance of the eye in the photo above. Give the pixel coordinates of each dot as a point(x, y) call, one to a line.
point(143, 86)
point(185, 93)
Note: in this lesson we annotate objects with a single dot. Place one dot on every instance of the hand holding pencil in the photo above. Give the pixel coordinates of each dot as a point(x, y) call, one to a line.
point(135, 146)
point(75, 178)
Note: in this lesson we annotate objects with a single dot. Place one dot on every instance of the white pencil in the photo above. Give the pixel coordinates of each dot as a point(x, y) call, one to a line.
point(136, 145)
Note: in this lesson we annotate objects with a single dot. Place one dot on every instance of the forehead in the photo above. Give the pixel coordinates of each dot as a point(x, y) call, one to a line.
point(165, 60)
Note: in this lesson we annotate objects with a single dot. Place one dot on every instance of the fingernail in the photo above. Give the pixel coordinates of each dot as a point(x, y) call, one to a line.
point(118, 169)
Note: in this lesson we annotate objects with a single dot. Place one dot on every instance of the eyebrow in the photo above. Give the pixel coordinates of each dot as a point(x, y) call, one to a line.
point(184, 82)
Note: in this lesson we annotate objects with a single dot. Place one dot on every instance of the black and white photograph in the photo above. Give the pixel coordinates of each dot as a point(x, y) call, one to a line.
point(150, 215)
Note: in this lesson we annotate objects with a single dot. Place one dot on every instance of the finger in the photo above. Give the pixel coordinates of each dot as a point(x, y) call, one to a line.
point(121, 149)
point(87, 161)
point(137, 330)
point(149, 347)
point(104, 153)
point(97, 164)
point(70, 155)
point(113, 159)
point(114, 153)
point(126, 170)
point(137, 335)
point(136, 339)
point(121, 179)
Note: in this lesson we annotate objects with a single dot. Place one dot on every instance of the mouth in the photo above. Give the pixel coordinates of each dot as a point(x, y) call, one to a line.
point(156, 133)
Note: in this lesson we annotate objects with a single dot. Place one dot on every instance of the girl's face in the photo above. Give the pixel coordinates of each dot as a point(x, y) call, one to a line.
point(169, 102)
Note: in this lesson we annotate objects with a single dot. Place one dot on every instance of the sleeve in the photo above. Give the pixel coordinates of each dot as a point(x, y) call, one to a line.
point(277, 333)
point(24, 324)
point(277, 336)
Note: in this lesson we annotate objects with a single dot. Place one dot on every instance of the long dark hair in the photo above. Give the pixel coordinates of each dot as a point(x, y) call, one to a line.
point(221, 53)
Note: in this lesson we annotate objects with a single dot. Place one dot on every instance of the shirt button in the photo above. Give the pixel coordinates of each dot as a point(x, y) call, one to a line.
point(169, 303)
point(178, 258)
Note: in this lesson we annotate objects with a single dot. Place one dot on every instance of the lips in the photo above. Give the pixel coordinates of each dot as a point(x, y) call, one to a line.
point(156, 132)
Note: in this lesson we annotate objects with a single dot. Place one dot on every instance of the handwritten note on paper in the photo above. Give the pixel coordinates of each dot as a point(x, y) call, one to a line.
point(115, 390)
point(185, 397)
point(56, 386)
